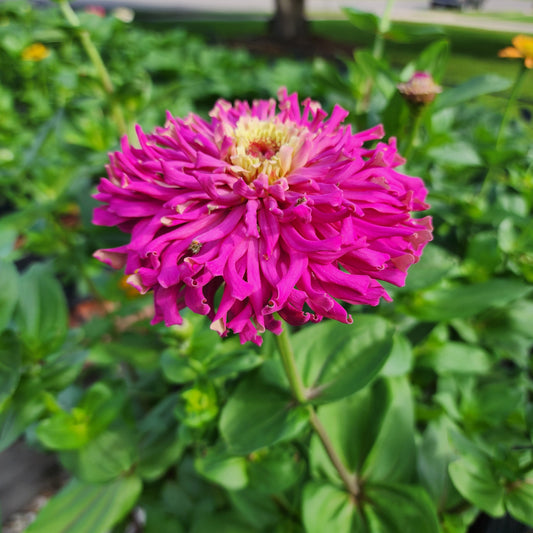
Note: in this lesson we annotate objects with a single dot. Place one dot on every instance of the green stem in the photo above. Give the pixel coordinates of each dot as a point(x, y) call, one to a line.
point(510, 103)
point(416, 120)
point(384, 27)
point(299, 392)
point(96, 60)
point(484, 191)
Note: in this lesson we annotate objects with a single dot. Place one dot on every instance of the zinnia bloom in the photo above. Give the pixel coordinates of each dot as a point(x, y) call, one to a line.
point(420, 89)
point(256, 212)
point(522, 48)
point(35, 52)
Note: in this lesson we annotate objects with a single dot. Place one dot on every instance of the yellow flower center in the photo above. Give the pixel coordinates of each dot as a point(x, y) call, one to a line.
point(264, 147)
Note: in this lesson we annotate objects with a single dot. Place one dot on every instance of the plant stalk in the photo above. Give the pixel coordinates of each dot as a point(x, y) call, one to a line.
point(299, 392)
point(510, 103)
point(96, 59)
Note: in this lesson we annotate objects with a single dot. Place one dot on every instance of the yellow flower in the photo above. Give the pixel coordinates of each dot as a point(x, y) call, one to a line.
point(522, 48)
point(35, 52)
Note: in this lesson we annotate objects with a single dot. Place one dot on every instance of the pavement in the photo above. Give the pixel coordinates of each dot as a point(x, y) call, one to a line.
point(403, 10)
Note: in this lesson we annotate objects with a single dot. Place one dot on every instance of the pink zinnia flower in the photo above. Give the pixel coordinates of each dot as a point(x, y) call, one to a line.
point(256, 212)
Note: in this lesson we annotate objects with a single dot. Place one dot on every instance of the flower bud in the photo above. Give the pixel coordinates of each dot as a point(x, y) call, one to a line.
point(421, 89)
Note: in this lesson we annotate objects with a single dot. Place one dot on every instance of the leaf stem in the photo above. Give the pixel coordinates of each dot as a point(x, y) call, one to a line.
point(299, 392)
point(96, 59)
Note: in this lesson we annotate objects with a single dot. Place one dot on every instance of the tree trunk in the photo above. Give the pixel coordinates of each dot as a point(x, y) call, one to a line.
point(288, 23)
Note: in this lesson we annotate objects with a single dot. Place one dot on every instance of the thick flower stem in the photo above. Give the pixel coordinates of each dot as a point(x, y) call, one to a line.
point(96, 60)
point(415, 122)
point(298, 390)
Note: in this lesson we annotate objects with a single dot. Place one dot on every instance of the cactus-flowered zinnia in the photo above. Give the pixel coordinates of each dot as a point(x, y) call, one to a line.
point(257, 211)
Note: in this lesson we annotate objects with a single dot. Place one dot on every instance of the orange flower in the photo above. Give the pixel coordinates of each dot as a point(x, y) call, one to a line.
point(522, 48)
point(35, 52)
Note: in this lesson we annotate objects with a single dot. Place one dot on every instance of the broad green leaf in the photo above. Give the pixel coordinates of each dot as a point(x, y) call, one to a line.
point(475, 480)
point(402, 508)
point(328, 508)
point(9, 290)
point(64, 431)
point(226, 522)
point(161, 443)
point(105, 458)
point(274, 470)
point(392, 457)
point(10, 367)
point(433, 266)
point(223, 469)
point(177, 367)
point(435, 453)
point(257, 510)
point(473, 88)
point(361, 20)
point(353, 425)
point(458, 358)
point(259, 415)
point(84, 508)
point(468, 300)
point(372, 432)
point(519, 501)
point(456, 154)
point(414, 34)
point(400, 360)
point(434, 58)
point(337, 360)
point(23, 408)
point(41, 313)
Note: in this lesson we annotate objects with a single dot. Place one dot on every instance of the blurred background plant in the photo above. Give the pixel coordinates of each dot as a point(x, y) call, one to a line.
point(158, 426)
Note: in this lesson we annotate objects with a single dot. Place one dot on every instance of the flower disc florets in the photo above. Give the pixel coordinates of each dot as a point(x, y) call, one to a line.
point(256, 212)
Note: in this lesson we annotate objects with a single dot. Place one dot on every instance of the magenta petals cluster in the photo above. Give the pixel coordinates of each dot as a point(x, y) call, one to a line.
point(265, 210)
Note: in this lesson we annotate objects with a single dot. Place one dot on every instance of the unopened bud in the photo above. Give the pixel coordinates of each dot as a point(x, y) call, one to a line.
point(420, 89)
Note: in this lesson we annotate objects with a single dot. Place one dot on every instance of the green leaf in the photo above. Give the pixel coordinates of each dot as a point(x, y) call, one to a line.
point(83, 508)
point(519, 501)
point(328, 508)
point(259, 512)
point(433, 266)
point(367, 22)
point(414, 34)
point(392, 457)
point(434, 58)
point(10, 367)
point(276, 469)
point(226, 522)
point(259, 415)
point(63, 431)
point(337, 360)
point(177, 367)
point(458, 358)
point(435, 453)
point(353, 425)
point(468, 300)
point(20, 410)
point(9, 290)
point(106, 457)
point(456, 154)
point(222, 468)
point(475, 480)
point(41, 313)
point(401, 508)
point(400, 360)
point(372, 432)
point(473, 88)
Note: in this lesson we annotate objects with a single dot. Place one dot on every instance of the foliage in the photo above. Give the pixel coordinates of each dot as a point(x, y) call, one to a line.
point(426, 399)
